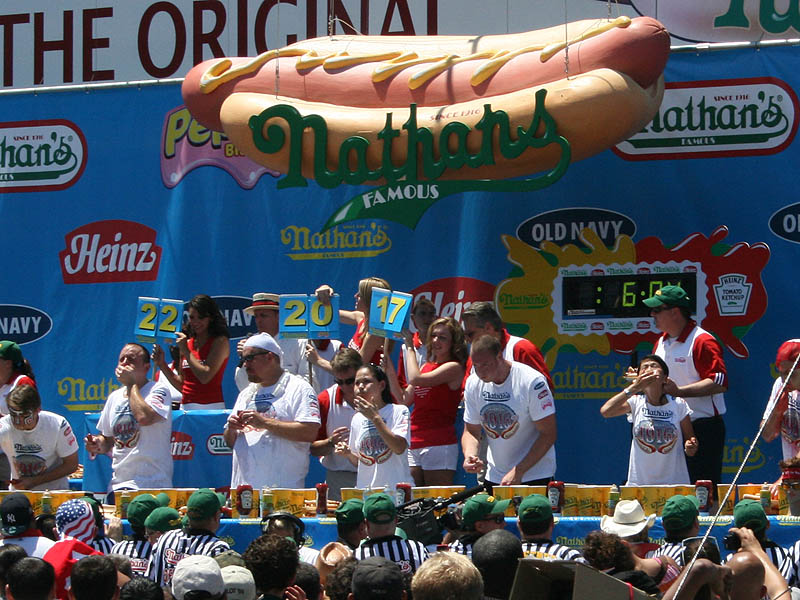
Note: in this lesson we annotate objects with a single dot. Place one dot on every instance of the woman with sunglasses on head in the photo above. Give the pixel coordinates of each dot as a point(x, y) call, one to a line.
point(41, 446)
point(435, 393)
point(204, 352)
point(379, 432)
point(662, 426)
point(369, 346)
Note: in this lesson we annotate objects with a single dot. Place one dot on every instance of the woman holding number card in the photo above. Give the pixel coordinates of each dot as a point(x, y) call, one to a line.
point(435, 392)
point(370, 347)
point(379, 434)
point(204, 353)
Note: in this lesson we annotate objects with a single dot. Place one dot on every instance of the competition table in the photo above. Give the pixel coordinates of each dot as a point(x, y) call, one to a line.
point(569, 531)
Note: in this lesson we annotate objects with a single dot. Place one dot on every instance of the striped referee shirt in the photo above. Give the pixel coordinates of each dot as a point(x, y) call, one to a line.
point(794, 561)
point(780, 557)
point(102, 543)
point(673, 550)
point(174, 545)
point(463, 545)
point(408, 554)
point(137, 551)
point(545, 549)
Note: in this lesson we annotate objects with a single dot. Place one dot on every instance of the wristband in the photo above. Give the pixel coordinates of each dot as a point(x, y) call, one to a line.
point(628, 393)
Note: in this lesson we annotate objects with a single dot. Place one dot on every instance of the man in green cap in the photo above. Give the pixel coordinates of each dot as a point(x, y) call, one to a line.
point(381, 515)
point(697, 374)
point(160, 521)
point(679, 519)
point(480, 514)
point(204, 514)
point(138, 548)
point(535, 522)
point(350, 523)
point(750, 514)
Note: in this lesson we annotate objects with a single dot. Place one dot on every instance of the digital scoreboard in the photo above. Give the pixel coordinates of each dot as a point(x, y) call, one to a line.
point(594, 299)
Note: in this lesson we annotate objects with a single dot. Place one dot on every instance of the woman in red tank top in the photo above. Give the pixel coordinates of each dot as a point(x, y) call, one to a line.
point(435, 393)
point(370, 347)
point(204, 353)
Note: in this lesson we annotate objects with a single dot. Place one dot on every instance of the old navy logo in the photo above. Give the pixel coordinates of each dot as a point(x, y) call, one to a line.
point(495, 397)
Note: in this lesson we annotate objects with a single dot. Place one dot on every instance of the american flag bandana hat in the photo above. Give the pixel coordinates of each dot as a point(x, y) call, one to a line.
point(75, 519)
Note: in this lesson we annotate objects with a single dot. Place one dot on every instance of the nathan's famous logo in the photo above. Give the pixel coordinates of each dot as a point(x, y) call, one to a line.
point(182, 446)
point(734, 453)
point(536, 270)
point(785, 223)
point(355, 240)
point(78, 395)
point(564, 226)
point(186, 145)
point(727, 117)
point(110, 251)
point(216, 445)
point(38, 156)
point(452, 295)
point(23, 324)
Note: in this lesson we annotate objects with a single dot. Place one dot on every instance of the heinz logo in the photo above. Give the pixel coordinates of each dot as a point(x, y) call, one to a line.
point(182, 446)
point(564, 226)
point(110, 251)
point(215, 444)
point(23, 324)
point(451, 295)
point(710, 119)
point(40, 156)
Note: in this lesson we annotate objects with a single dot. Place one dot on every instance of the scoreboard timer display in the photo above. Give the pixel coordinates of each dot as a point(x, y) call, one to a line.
point(592, 299)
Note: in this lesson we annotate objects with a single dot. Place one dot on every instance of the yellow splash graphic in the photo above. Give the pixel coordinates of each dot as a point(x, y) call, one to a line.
point(539, 271)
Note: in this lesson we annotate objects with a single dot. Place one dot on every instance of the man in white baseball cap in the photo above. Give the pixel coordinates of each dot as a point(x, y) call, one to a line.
point(239, 583)
point(274, 421)
point(198, 573)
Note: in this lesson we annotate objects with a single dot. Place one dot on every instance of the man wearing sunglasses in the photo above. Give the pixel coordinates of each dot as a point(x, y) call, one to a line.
point(336, 411)
point(697, 374)
point(479, 515)
point(273, 422)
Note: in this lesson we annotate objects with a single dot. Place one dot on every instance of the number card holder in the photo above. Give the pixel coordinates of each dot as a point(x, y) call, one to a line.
point(304, 316)
point(157, 318)
point(389, 313)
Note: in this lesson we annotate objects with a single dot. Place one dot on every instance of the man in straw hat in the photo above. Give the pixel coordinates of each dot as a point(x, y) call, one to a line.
point(630, 523)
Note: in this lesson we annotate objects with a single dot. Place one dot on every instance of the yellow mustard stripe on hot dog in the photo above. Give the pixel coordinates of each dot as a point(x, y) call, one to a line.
point(395, 61)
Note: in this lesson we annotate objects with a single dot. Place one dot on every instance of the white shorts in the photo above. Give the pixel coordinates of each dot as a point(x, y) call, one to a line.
point(434, 458)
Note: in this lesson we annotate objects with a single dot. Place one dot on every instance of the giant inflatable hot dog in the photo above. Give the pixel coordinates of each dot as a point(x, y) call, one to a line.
point(382, 108)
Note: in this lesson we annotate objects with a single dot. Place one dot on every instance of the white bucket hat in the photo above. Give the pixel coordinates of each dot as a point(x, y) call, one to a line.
point(628, 519)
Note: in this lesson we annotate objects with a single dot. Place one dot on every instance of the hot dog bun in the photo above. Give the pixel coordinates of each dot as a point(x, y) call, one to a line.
point(614, 87)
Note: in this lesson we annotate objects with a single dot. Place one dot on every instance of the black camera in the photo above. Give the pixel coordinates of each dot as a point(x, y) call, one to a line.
point(732, 541)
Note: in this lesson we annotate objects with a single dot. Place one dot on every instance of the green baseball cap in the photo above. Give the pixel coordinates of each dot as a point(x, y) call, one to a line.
point(350, 511)
point(679, 512)
point(142, 505)
point(669, 295)
point(535, 509)
point(204, 503)
point(750, 514)
point(481, 506)
point(380, 509)
point(163, 519)
point(10, 351)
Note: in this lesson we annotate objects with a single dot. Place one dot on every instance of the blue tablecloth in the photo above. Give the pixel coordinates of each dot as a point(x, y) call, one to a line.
point(569, 531)
point(199, 454)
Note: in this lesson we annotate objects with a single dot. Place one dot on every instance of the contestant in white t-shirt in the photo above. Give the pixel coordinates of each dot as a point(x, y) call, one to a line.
point(136, 425)
point(662, 426)
point(273, 422)
point(512, 404)
point(40, 445)
point(379, 433)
